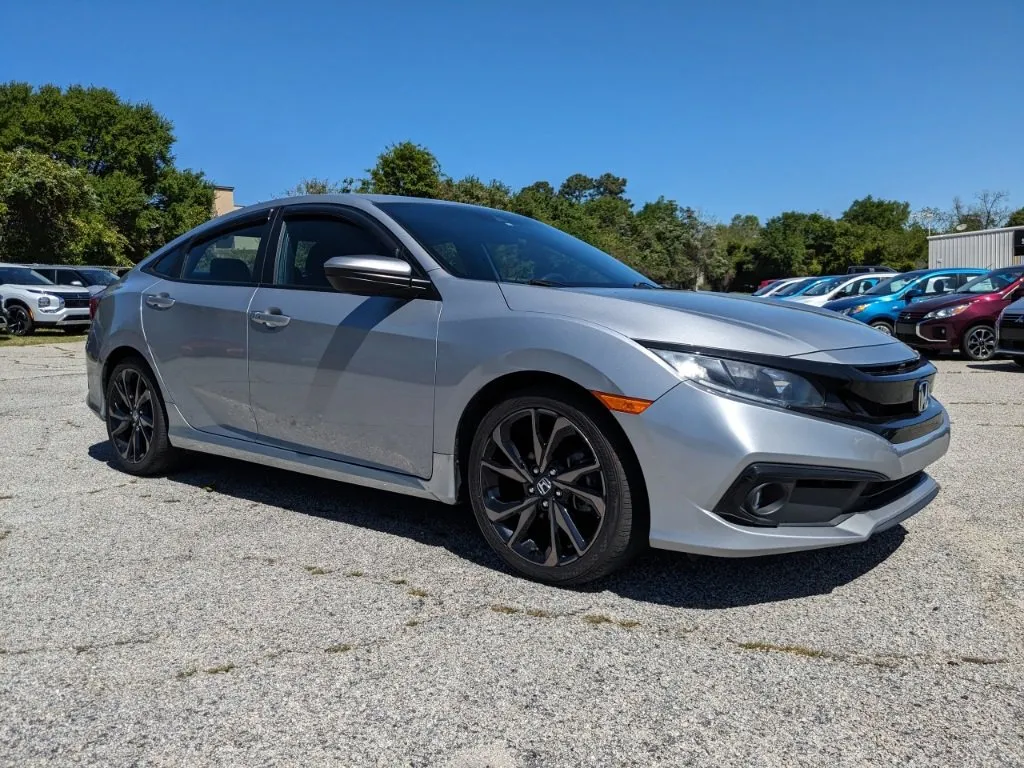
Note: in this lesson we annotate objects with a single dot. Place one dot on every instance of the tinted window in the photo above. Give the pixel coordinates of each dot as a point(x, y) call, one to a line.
point(823, 287)
point(68, 276)
point(21, 276)
point(168, 265)
point(308, 242)
point(789, 290)
point(936, 285)
point(894, 284)
point(98, 276)
point(485, 244)
point(993, 281)
point(229, 258)
point(49, 274)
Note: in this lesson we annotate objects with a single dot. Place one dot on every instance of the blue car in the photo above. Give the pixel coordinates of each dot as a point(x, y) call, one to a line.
point(880, 306)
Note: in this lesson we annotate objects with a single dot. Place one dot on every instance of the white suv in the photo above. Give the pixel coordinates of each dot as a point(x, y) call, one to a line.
point(32, 302)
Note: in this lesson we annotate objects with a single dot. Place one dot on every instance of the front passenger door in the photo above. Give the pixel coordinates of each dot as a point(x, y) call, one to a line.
point(337, 375)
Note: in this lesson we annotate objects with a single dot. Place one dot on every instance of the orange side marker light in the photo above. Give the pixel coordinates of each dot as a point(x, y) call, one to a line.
point(623, 404)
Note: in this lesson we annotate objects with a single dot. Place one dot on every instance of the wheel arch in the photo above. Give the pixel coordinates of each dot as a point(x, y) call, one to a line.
point(119, 355)
point(512, 384)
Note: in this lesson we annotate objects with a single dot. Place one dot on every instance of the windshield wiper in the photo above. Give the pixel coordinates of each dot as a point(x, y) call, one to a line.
point(546, 283)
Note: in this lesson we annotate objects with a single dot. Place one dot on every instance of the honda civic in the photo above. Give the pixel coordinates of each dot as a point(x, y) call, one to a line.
point(454, 352)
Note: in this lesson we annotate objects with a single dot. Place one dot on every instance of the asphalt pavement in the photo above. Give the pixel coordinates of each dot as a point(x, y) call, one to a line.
point(238, 615)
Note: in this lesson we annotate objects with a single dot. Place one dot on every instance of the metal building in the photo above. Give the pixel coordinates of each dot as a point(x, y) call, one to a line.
point(989, 249)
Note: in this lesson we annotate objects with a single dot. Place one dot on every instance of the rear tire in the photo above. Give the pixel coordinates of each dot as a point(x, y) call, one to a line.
point(19, 321)
point(572, 514)
point(979, 343)
point(137, 421)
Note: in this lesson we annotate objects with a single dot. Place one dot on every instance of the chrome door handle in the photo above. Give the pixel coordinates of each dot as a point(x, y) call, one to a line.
point(272, 318)
point(159, 300)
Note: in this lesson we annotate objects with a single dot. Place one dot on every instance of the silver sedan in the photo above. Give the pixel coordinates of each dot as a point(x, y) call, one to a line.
point(455, 352)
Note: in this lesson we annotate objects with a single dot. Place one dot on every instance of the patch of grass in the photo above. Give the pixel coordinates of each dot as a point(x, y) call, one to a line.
point(413, 623)
point(39, 337)
point(185, 674)
point(5, 496)
point(339, 648)
point(796, 650)
point(223, 669)
point(398, 581)
point(537, 613)
point(417, 592)
point(981, 660)
point(354, 574)
point(316, 570)
point(507, 609)
point(597, 618)
point(5, 533)
point(627, 623)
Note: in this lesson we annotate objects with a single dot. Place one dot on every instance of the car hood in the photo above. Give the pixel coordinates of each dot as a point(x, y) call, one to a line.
point(854, 301)
point(52, 290)
point(715, 321)
point(952, 300)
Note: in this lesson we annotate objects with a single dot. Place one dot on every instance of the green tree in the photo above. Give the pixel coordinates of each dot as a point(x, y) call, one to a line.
point(1016, 219)
point(317, 186)
point(406, 169)
point(124, 150)
point(50, 214)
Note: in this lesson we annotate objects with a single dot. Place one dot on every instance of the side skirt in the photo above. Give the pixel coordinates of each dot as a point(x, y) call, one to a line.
point(441, 486)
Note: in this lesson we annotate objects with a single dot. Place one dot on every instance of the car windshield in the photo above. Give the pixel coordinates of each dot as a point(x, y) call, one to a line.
point(824, 286)
point(98, 276)
point(792, 288)
point(993, 281)
point(21, 276)
point(894, 284)
point(484, 244)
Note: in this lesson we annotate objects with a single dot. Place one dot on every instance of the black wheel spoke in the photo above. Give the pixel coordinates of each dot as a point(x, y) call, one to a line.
point(553, 555)
point(504, 443)
point(561, 430)
point(535, 434)
point(590, 497)
point(499, 512)
point(525, 521)
point(574, 474)
point(510, 472)
point(124, 424)
point(565, 522)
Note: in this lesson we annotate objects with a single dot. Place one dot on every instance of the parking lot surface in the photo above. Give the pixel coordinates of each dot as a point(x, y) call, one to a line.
point(238, 615)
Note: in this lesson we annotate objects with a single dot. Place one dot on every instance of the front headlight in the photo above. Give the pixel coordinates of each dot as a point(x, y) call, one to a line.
point(752, 382)
point(858, 308)
point(50, 303)
point(939, 314)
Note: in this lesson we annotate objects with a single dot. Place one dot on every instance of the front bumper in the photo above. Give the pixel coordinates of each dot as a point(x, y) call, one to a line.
point(693, 445)
point(1010, 337)
point(62, 318)
point(935, 335)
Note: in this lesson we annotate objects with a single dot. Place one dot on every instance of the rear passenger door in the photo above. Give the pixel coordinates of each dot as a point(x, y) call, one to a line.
point(196, 326)
point(338, 375)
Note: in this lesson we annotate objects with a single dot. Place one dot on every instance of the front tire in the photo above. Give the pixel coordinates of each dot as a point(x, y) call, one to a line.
point(979, 343)
point(883, 327)
point(552, 491)
point(19, 321)
point(137, 421)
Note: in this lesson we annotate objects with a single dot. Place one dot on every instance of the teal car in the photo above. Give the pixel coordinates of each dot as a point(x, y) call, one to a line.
point(880, 306)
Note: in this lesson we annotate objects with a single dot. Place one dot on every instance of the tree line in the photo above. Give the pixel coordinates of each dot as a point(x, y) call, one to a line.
point(86, 177)
point(677, 245)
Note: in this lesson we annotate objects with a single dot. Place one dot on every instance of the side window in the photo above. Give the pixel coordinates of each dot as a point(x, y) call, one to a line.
point(939, 284)
point(49, 274)
point(68, 277)
point(168, 265)
point(963, 278)
point(307, 242)
point(228, 258)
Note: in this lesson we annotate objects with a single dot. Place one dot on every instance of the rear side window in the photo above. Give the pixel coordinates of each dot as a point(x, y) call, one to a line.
point(229, 258)
point(168, 265)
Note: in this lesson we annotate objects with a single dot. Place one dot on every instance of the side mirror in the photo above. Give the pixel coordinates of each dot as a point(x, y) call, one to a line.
point(375, 276)
point(78, 283)
point(912, 295)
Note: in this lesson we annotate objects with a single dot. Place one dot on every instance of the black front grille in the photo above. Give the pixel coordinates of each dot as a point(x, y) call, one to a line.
point(912, 316)
point(76, 303)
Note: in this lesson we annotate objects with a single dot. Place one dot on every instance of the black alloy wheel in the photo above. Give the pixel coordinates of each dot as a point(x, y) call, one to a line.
point(137, 421)
point(979, 343)
point(19, 321)
point(550, 491)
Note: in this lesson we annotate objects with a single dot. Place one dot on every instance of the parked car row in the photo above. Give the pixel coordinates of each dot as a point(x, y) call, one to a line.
point(47, 296)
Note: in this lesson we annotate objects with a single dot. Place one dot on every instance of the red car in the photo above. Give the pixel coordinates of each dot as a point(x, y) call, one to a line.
point(964, 320)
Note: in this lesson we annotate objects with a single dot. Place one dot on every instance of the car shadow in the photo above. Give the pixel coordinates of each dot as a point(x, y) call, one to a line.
point(1000, 365)
point(657, 576)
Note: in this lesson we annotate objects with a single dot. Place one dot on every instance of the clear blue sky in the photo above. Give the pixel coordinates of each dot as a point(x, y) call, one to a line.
point(758, 106)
